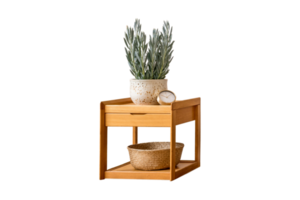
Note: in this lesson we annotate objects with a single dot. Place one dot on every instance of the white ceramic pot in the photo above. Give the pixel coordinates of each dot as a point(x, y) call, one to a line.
point(145, 91)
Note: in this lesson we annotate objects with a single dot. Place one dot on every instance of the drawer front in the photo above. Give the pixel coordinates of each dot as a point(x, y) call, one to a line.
point(141, 120)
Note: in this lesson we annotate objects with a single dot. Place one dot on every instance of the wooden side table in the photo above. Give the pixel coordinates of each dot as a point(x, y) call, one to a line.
point(123, 112)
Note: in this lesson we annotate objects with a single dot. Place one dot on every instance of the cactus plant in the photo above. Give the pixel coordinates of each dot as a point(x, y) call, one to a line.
point(152, 62)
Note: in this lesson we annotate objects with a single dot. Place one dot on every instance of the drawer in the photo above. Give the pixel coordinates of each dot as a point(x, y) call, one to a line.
point(138, 119)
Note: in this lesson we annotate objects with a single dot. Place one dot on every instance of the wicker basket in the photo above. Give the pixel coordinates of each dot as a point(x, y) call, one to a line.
point(153, 155)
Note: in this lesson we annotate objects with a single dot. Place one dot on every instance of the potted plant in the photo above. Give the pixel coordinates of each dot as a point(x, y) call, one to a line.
point(148, 62)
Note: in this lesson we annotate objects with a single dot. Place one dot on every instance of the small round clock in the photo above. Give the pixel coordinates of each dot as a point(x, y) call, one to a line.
point(166, 97)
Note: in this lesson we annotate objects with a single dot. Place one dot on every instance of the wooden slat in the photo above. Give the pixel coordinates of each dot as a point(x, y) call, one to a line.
point(137, 109)
point(144, 120)
point(190, 167)
point(127, 106)
point(184, 115)
point(185, 103)
point(118, 166)
point(187, 161)
point(126, 171)
point(116, 101)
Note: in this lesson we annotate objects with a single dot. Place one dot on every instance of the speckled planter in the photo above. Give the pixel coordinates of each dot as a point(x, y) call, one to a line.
point(145, 92)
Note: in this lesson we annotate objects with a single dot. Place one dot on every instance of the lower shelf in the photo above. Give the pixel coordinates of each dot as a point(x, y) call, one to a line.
point(126, 171)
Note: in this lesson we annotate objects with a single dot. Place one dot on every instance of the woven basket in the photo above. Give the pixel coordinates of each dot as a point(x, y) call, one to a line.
point(153, 155)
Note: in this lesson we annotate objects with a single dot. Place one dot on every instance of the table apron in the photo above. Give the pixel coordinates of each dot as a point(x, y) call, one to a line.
point(140, 120)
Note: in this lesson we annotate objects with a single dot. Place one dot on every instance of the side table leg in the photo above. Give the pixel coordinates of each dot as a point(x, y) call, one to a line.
point(198, 133)
point(103, 143)
point(98, 140)
point(201, 129)
point(134, 135)
point(172, 139)
point(169, 132)
point(98, 169)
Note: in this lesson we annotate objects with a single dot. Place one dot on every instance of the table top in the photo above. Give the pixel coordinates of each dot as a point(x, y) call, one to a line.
point(127, 106)
point(131, 103)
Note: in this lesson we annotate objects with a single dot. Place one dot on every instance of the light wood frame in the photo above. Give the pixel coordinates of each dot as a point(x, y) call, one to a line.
point(122, 112)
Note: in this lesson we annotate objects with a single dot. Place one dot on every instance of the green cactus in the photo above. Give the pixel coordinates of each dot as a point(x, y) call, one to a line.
point(149, 56)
